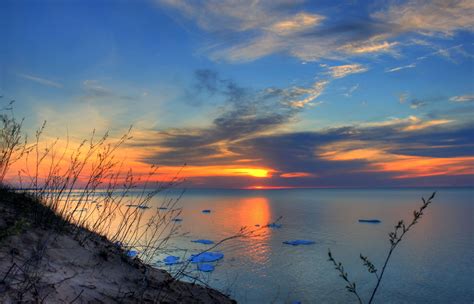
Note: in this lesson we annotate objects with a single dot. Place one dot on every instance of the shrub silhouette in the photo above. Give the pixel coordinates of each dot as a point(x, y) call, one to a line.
point(395, 237)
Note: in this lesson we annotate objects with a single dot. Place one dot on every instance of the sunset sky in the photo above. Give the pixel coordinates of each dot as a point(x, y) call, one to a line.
point(254, 94)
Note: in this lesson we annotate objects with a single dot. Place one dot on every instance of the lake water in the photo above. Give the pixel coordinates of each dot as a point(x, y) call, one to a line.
point(433, 264)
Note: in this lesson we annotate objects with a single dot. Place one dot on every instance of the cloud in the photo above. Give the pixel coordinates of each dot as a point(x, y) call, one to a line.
point(430, 17)
point(244, 31)
point(409, 66)
point(462, 98)
point(297, 175)
point(345, 70)
point(244, 113)
point(95, 90)
point(245, 142)
point(40, 80)
point(296, 23)
point(305, 96)
point(380, 158)
point(370, 47)
point(402, 98)
point(410, 123)
point(426, 124)
point(351, 90)
point(416, 103)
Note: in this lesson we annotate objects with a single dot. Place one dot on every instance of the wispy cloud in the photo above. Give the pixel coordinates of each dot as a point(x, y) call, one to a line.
point(430, 17)
point(417, 103)
point(370, 47)
point(95, 90)
point(351, 90)
point(307, 95)
point(245, 31)
point(296, 23)
point(409, 66)
point(347, 69)
point(402, 98)
point(463, 98)
point(41, 80)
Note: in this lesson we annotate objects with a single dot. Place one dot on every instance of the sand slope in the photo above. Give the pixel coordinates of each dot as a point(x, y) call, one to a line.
point(39, 265)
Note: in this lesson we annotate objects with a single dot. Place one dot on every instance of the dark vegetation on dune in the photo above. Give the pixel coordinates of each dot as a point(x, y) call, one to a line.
point(78, 198)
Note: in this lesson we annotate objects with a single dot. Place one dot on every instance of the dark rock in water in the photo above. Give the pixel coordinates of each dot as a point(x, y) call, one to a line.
point(171, 260)
point(299, 242)
point(206, 257)
point(205, 267)
point(206, 211)
point(370, 221)
point(202, 241)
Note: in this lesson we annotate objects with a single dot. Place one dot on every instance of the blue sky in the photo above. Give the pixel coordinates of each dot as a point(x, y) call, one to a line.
point(379, 84)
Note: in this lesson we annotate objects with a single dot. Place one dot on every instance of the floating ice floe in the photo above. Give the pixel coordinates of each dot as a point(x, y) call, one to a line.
point(171, 260)
point(202, 241)
point(274, 225)
point(206, 257)
point(131, 253)
point(299, 242)
point(370, 221)
point(206, 211)
point(205, 267)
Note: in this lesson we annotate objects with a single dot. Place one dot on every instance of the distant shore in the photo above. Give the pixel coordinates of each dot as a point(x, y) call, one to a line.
point(39, 264)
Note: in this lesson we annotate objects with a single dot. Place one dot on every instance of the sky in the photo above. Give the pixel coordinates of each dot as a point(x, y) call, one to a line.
point(254, 94)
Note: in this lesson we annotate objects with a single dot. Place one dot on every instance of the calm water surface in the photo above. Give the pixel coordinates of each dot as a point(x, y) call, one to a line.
point(434, 264)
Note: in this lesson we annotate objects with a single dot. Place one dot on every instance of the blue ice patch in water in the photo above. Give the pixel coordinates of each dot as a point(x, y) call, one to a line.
point(131, 253)
point(370, 221)
point(201, 241)
point(274, 225)
point(299, 242)
point(205, 267)
point(171, 260)
point(206, 257)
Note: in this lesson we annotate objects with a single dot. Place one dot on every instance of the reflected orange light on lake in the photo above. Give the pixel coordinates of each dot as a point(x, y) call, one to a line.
point(253, 210)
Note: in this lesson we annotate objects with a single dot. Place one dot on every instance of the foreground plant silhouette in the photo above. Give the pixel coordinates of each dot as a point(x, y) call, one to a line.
point(395, 237)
